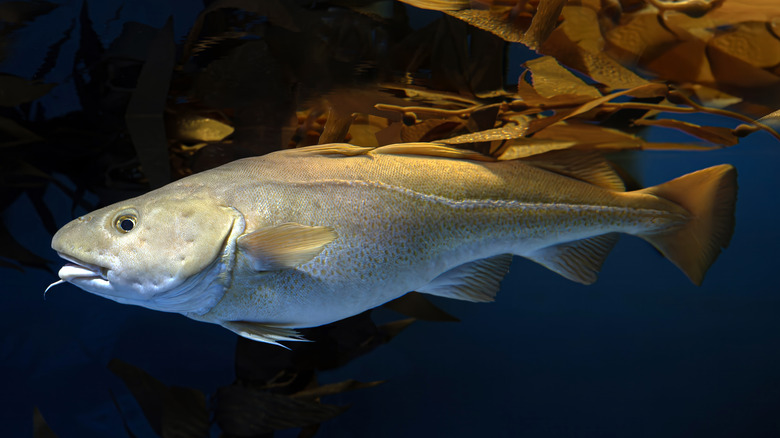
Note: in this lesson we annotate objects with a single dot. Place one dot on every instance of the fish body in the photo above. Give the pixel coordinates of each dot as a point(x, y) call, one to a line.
point(304, 237)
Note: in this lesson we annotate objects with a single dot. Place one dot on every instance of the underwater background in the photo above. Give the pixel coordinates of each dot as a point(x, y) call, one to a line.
point(642, 352)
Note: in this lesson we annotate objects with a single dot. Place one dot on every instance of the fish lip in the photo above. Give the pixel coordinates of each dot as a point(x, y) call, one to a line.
point(96, 270)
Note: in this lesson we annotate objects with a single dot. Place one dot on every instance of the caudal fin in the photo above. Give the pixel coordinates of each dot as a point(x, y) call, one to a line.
point(710, 196)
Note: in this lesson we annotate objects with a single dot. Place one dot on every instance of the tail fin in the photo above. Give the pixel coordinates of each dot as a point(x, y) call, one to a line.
point(710, 196)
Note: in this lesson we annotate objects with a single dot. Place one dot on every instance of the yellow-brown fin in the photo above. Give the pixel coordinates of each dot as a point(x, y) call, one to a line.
point(268, 333)
point(530, 146)
point(431, 150)
point(710, 196)
point(579, 260)
point(418, 148)
point(284, 246)
point(335, 149)
point(474, 281)
point(590, 167)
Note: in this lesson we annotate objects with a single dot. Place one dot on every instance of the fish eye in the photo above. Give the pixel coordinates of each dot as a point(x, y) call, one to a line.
point(125, 223)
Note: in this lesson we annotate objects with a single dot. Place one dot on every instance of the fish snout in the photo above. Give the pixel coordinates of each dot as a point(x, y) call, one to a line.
point(67, 233)
point(80, 244)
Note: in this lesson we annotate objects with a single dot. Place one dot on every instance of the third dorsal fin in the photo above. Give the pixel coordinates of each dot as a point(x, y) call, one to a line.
point(590, 167)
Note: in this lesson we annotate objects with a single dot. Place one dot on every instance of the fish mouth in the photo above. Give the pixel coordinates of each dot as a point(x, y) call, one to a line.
point(80, 270)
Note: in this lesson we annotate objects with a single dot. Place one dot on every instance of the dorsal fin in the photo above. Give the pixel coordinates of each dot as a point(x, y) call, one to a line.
point(268, 333)
point(284, 246)
point(335, 149)
point(419, 148)
point(474, 281)
point(590, 167)
point(578, 261)
point(431, 150)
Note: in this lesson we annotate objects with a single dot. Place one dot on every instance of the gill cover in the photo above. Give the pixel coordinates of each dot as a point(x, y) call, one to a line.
point(153, 251)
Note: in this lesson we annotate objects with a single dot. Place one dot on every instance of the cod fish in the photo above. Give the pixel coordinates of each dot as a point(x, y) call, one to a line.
point(304, 237)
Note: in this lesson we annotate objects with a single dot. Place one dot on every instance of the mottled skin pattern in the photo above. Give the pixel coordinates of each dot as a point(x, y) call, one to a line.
point(401, 220)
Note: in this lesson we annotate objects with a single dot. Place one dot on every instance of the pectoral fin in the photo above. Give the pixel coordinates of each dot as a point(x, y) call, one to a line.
point(474, 281)
point(284, 246)
point(260, 332)
point(578, 261)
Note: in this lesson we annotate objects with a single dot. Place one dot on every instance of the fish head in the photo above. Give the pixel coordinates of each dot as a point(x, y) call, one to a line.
point(164, 253)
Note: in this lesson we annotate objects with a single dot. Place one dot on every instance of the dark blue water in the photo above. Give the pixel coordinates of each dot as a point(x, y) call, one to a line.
point(641, 353)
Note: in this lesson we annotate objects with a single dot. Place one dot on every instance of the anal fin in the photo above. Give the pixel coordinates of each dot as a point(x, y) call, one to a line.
point(268, 333)
point(474, 281)
point(579, 260)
